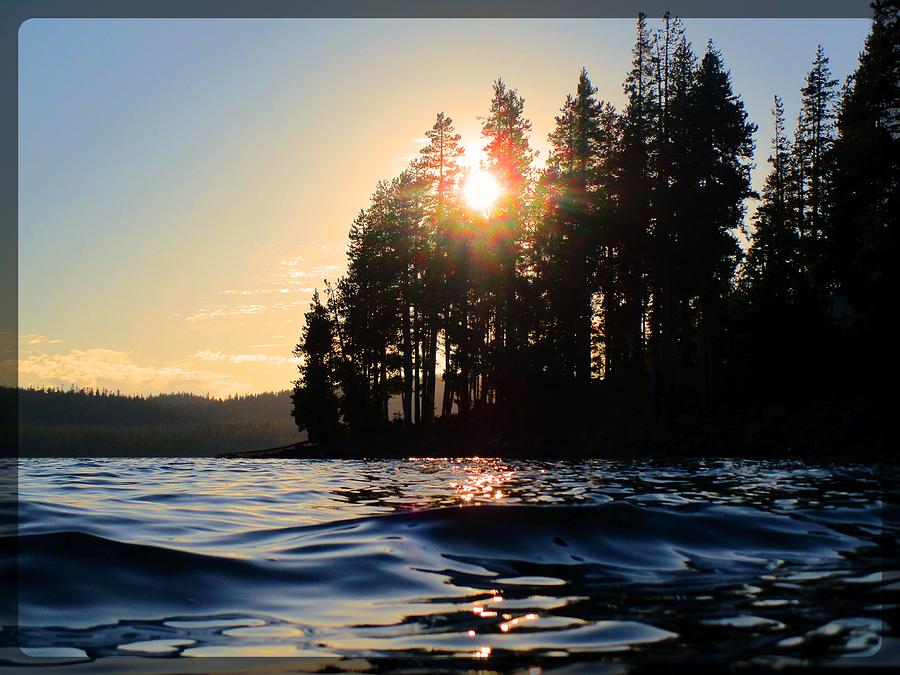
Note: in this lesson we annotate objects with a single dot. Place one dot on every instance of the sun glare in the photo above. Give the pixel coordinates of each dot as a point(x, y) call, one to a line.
point(481, 190)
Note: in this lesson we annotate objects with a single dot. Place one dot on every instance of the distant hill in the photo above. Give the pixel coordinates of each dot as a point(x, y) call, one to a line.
point(90, 422)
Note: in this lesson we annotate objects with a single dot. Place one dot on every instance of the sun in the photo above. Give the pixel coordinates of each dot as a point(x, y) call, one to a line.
point(481, 190)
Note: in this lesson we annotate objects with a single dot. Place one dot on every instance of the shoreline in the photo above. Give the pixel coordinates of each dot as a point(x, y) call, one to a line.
point(834, 430)
point(308, 450)
point(708, 440)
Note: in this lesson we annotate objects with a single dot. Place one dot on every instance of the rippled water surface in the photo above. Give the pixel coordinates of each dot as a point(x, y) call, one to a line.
point(472, 560)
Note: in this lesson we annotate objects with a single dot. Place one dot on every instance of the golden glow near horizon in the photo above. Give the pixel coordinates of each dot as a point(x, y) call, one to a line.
point(481, 190)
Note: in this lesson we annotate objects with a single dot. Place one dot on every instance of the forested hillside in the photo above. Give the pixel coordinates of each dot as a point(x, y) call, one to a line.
point(55, 422)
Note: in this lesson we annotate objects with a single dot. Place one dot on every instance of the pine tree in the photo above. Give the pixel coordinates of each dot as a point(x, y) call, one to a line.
point(816, 136)
point(677, 321)
point(370, 298)
point(672, 186)
point(509, 154)
point(723, 151)
point(770, 274)
point(632, 188)
point(315, 402)
point(439, 162)
point(580, 148)
point(508, 158)
point(407, 208)
point(866, 203)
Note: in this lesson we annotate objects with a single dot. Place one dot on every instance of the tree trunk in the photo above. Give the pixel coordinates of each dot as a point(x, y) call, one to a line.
point(707, 356)
point(583, 349)
point(430, 364)
point(463, 390)
point(447, 403)
point(417, 368)
point(407, 368)
point(385, 415)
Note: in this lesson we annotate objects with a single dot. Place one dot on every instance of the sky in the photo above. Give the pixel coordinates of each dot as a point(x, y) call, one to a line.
point(184, 185)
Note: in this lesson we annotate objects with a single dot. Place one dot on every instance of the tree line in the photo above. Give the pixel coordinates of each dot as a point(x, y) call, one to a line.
point(613, 278)
point(98, 406)
point(54, 422)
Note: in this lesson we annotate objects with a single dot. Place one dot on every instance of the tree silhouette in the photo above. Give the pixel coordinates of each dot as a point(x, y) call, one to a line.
point(723, 150)
point(814, 153)
point(315, 403)
point(508, 157)
point(567, 242)
point(611, 284)
point(439, 162)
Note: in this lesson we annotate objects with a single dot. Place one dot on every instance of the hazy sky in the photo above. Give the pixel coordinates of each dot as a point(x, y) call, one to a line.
point(185, 184)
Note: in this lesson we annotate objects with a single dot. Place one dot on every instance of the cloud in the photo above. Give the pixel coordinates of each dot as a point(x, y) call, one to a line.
point(256, 291)
point(36, 339)
point(319, 271)
point(221, 311)
point(317, 263)
point(268, 359)
point(116, 369)
point(297, 275)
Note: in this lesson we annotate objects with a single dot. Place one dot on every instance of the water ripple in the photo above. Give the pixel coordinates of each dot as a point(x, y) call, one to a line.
point(472, 559)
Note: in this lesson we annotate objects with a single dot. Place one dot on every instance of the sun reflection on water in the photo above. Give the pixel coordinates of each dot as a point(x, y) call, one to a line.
point(483, 482)
point(483, 652)
point(486, 609)
point(509, 622)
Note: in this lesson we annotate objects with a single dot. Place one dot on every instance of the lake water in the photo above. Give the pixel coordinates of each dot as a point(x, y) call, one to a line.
point(475, 561)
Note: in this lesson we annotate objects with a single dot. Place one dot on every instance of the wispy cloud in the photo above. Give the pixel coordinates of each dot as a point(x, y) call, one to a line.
point(36, 339)
point(242, 310)
point(268, 359)
point(404, 160)
point(257, 291)
point(294, 276)
point(117, 369)
point(293, 271)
